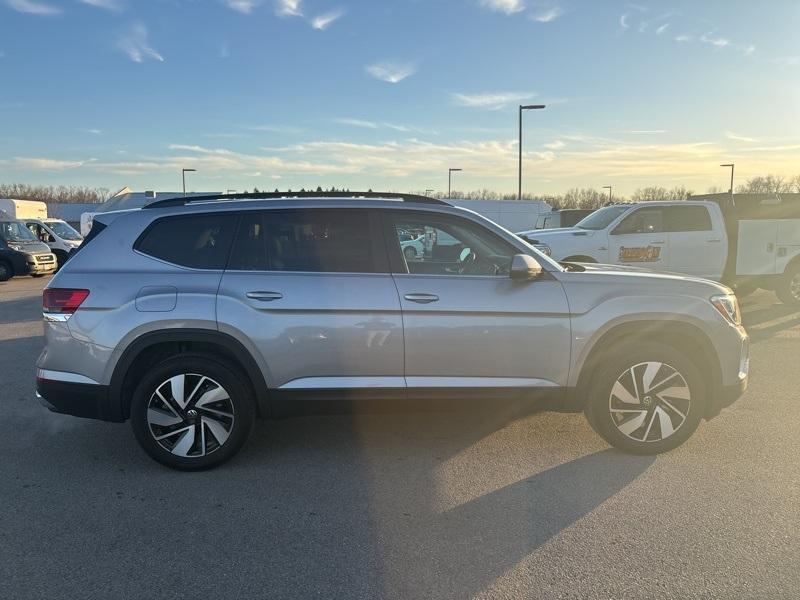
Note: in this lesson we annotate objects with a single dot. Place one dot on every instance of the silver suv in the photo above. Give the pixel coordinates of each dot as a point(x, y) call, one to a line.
point(192, 317)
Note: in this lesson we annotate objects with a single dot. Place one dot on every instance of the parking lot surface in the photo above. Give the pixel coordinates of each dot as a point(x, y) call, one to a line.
point(459, 504)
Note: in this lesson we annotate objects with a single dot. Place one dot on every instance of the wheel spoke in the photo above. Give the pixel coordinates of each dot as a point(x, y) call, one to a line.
point(682, 393)
point(177, 384)
point(214, 411)
point(211, 396)
point(668, 403)
point(631, 425)
point(217, 430)
point(171, 433)
point(194, 391)
point(649, 426)
point(650, 373)
point(621, 392)
point(156, 416)
point(183, 445)
point(666, 423)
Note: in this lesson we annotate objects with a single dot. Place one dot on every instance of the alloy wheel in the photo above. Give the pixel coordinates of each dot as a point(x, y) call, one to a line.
point(649, 402)
point(794, 287)
point(190, 415)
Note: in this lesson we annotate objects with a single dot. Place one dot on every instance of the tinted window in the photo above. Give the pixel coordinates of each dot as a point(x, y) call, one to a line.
point(688, 218)
point(333, 241)
point(249, 249)
point(196, 241)
point(644, 220)
point(602, 218)
point(445, 246)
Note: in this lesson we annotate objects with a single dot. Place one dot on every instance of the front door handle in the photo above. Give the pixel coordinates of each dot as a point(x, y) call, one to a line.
point(421, 298)
point(657, 242)
point(264, 296)
point(714, 240)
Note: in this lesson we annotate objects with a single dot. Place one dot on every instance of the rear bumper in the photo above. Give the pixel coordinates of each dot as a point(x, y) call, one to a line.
point(77, 399)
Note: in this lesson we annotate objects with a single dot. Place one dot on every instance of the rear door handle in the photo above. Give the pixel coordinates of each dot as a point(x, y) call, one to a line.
point(421, 298)
point(264, 296)
point(657, 242)
point(714, 240)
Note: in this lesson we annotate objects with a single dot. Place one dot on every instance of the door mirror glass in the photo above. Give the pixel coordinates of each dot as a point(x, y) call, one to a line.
point(525, 267)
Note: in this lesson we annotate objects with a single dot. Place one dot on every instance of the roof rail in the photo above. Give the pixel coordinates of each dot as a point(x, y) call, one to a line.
point(182, 201)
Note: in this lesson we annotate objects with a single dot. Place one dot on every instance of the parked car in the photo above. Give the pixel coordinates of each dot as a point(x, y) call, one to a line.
point(191, 317)
point(21, 253)
point(59, 236)
point(412, 245)
point(750, 244)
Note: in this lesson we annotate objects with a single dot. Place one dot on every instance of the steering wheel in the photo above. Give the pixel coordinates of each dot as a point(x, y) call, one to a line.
point(466, 261)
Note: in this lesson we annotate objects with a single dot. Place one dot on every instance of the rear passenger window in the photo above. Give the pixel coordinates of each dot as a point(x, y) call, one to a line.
point(332, 241)
point(249, 249)
point(688, 218)
point(195, 241)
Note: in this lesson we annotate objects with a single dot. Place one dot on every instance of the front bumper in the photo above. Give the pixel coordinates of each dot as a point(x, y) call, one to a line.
point(77, 399)
point(41, 263)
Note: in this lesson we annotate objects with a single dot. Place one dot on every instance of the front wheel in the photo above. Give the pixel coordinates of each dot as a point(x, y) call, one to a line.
point(192, 412)
point(788, 286)
point(646, 399)
point(5, 271)
point(410, 253)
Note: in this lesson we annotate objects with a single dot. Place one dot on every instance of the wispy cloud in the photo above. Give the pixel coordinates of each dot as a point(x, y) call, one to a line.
point(41, 164)
point(492, 101)
point(136, 45)
point(555, 145)
point(740, 138)
point(113, 5)
point(623, 21)
point(243, 6)
point(683, 38)
point(92, 131)
point(288, 8)
point(548, 14)
point(34, 7)
point(508, 7)
point(644, 131)
point(282, 129)
point(391, 72)
point(325, 20)
point(662, 28)
point(357, 123)
point(786, 61)
point(716, 41)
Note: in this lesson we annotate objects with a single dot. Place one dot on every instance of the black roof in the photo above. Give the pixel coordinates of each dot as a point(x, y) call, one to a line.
point(181, 201)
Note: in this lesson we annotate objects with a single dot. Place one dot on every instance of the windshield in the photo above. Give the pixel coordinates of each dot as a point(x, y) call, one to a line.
point(14, 231)
point(602, 218)
point(64, 231)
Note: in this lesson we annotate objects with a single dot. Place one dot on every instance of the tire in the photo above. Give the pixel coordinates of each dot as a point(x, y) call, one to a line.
point(61, 258)
point(788, 286)
point(6, 272)
point(192, 437)
point(635, 421)
point(743, 290)
point(410, 253)
point(37, 275)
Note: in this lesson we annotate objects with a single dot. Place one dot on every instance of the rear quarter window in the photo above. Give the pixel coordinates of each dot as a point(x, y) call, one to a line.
point(194, 241)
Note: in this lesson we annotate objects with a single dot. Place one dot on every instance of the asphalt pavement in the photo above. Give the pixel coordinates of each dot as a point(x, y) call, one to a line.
point(457, 504)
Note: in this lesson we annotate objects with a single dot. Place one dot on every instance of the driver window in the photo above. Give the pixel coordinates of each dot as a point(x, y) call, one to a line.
point(644, 220)
point(433, 245)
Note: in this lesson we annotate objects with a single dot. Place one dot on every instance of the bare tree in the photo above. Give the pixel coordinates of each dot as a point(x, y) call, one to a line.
point(766, 184)
point(62, 193)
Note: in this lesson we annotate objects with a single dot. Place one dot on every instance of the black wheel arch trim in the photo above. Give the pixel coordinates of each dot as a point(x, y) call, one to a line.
point(120, 405)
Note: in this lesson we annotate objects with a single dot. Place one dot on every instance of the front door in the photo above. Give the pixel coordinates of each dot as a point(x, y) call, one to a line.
point(640, 240)
point(312, 291)
point(467, 324)
point(694, 247)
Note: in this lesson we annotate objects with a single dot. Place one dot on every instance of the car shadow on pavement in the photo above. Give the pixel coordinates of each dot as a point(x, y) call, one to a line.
point(22, 309)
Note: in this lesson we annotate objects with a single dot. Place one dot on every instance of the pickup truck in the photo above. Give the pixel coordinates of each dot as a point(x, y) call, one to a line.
point(747, 243)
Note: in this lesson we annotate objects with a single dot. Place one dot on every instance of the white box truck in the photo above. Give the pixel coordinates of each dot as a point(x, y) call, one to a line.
point(57, 234)
point(747, 241)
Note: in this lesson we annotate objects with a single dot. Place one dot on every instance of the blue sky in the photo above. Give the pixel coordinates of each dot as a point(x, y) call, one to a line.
point(389, 94)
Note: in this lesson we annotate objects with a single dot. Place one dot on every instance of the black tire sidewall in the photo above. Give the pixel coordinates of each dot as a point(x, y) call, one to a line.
point(410, 252)
point(783, 289)
point(227, 376)
point(599, 416)
point(6, 272)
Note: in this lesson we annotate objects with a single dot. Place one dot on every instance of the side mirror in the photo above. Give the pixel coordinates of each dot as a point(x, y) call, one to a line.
point(525, 268)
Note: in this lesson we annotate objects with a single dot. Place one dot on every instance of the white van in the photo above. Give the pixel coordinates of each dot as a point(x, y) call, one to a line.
point(57, 234)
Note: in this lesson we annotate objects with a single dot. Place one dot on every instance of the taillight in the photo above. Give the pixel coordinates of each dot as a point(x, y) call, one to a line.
point(63, 301)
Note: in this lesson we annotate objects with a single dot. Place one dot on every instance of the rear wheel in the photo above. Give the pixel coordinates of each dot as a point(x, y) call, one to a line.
point(646, 399)
point(192, 412)
point(788, 287)
point(6, 272)
point(410, 253)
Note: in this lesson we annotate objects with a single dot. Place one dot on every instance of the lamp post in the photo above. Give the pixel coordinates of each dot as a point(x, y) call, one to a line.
point(428, 192)
point(183, 175)
point(521, 108)
point(450, 179)
point(608, 187)
point(731, 166)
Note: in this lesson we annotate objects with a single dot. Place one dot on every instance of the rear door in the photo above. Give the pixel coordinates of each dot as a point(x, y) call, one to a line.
point(640, 240)
point(311, 292)
point(695, 247)
point(469, 326)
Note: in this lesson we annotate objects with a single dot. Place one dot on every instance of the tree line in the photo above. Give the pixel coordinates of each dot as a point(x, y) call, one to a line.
point(573, 198)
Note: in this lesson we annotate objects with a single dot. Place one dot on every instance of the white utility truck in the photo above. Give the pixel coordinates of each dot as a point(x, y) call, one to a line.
point(57, 234)
point(747, 241)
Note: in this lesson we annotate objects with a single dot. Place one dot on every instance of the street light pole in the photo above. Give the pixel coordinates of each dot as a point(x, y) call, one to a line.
point(428, 192)
point(521, 108)
point(449, 179)
point(731, 166)
point(183, 175)
point(608, 187)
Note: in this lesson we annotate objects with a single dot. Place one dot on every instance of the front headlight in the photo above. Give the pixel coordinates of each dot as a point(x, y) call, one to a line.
point(16, 247)
point(728, 306)
point(544, 249)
